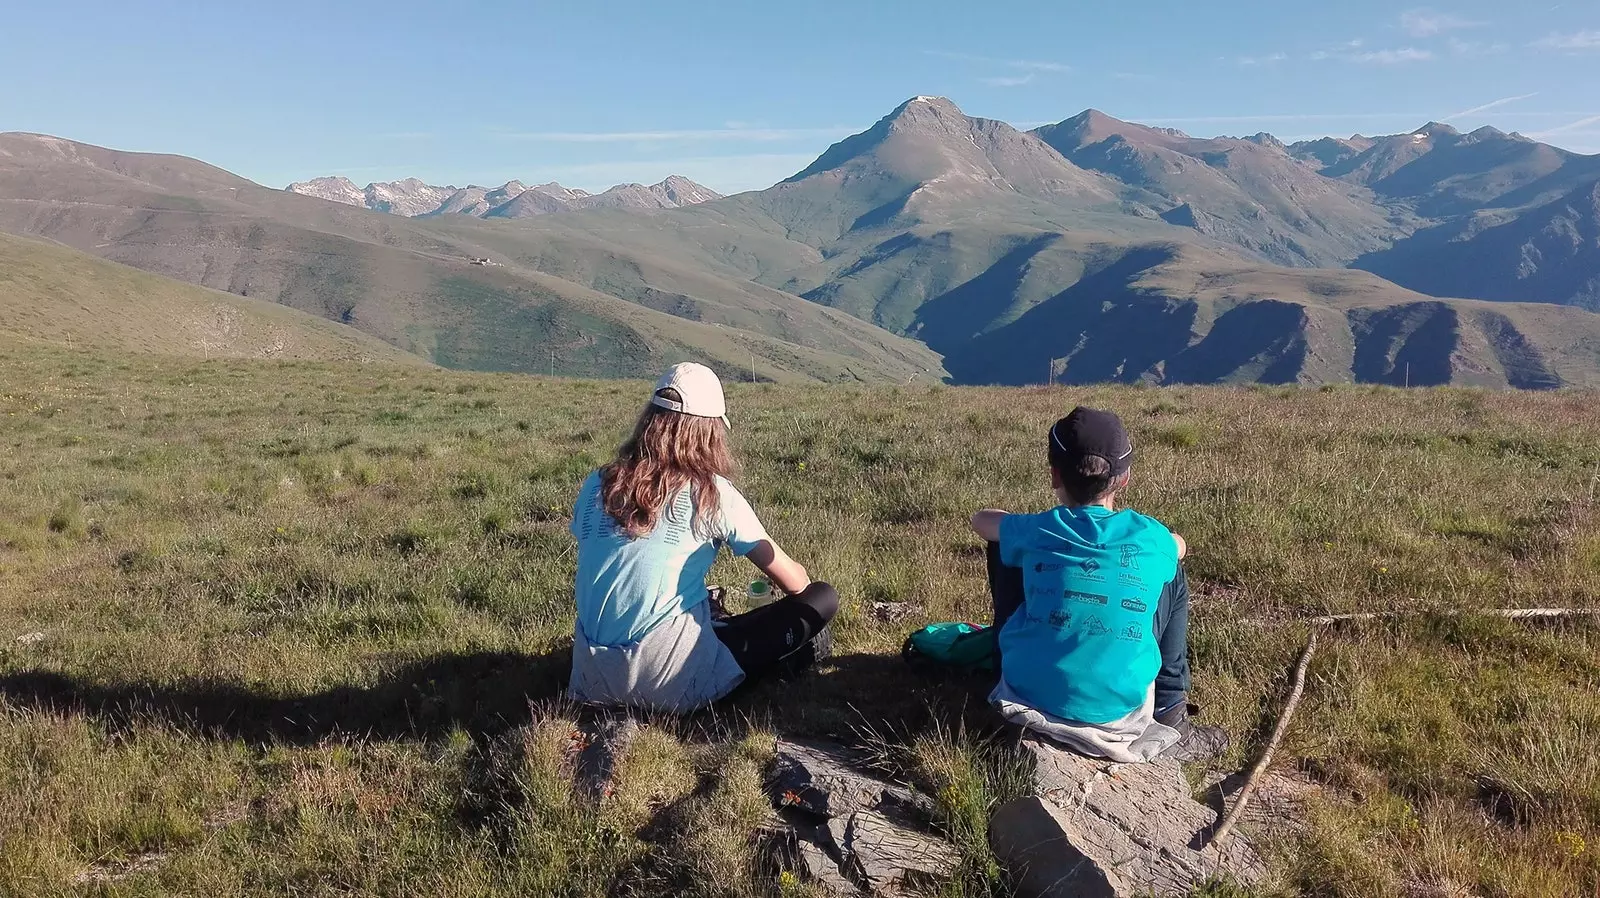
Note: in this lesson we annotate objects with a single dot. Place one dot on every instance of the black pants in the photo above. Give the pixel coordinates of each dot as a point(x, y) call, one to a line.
point(1171, 625)
point(780, 635)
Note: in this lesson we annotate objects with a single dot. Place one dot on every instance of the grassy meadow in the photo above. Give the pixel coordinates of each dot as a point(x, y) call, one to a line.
point(301, 628)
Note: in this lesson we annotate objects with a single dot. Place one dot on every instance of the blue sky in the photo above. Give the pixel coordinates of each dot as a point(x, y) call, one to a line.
point(738, 95)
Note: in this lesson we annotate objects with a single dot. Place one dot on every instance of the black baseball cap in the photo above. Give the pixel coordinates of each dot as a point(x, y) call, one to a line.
point(1090, 432)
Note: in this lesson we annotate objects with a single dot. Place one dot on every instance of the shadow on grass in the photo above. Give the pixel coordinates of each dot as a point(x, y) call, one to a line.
point(489, 693)
point(482, 693)
point(850, 693)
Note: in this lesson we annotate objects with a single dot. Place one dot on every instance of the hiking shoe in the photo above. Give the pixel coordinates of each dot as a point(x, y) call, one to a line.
point(716, 597)
point(819, 649)
point(822, 644)
point(1197, 743)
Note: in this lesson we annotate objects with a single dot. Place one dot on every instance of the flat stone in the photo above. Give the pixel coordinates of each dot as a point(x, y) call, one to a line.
point(1278, 805)
point(601, 743)
point(1095, 828)
point(832, 781)
point(894, 612)
point(819, 857)
point(888, 858)
point(856, 832)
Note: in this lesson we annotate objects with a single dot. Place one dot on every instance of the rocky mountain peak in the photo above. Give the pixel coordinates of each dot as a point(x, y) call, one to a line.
point(413, 197)
point(335, 189)
point(1436, 129)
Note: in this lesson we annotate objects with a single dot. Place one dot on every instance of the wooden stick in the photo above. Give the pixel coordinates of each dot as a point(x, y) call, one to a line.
point(1298, 692)
point(1256, 772)
point(1511, 613)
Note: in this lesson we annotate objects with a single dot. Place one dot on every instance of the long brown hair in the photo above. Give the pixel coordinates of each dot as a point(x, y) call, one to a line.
point(667, 451)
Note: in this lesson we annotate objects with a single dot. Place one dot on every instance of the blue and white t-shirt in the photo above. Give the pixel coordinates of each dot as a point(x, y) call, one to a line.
point(627, 587)
point(1083, 645)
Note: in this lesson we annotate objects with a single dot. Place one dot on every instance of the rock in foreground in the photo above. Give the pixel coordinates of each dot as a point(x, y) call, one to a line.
point(1101, 830)
point(853, 831)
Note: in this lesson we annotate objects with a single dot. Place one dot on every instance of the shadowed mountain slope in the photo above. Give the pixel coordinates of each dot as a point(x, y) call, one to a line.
point(1551, 252)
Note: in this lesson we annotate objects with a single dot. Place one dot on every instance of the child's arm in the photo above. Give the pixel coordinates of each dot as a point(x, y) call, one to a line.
point(779, 567)
point(986, 523)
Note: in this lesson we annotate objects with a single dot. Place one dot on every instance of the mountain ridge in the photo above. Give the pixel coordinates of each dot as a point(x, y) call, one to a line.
point(1093, 248)
point(414, 198)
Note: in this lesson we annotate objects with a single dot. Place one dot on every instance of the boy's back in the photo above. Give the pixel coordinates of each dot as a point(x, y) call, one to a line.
point(1083, 646)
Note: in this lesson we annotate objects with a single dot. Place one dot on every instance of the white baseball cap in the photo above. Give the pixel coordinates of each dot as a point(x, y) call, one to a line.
point(699, 388)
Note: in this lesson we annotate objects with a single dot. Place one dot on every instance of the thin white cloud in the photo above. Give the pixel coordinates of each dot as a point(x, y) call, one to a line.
point(1355, 51)
point(1027, 65)
point(686, 136)
point(1329, 117)
point(1392, 57)
point(1577, 40)
point(1495, 104)
point(1460, 47)
point(1429, 23)
point(1295, 117)
point(1569, 127)
point(1008, 81)
point(1270, 59)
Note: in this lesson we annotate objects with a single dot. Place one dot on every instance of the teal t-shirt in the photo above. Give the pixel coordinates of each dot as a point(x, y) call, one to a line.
point(626, 587)
point(1083, 645)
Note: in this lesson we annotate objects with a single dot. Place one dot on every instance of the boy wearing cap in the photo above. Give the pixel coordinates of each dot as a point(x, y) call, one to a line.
point(1092, 608)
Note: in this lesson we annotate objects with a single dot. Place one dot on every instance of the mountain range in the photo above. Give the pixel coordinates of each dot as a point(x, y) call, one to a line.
point(413, 198)
point(933, 244)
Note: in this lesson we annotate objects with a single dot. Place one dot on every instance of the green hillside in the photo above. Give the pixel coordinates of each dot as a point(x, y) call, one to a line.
point(51, 294)
point(412, 283)
point(302, 628)
point(932, 244)
point(1015, 262)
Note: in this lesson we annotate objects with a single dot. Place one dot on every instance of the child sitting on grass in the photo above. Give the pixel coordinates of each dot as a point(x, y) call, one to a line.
point(649, 525)
point(1092, 608)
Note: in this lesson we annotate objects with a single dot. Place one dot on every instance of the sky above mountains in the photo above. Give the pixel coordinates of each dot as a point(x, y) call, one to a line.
point(738, 95)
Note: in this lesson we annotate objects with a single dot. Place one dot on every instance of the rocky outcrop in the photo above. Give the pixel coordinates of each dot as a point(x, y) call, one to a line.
point(852, 831)
point(1114, 830)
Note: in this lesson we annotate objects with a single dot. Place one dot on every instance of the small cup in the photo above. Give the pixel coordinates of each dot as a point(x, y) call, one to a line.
point(759, 593)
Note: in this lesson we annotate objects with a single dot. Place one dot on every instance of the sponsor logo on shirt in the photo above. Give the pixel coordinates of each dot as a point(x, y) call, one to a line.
point(1130, 555)
point(1132, 633)
point(1097, 627)
point(1089, 569)
point(1060, 619)
point(1045, 566)
point(1135, 605)
point(1130, 579)
point(1041, 590)
point(1089, 597)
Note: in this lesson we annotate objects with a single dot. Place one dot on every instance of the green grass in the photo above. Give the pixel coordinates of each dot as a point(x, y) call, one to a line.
point(51, 293)
point(304, 626)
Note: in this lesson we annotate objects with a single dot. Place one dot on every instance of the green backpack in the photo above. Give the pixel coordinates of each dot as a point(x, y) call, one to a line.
point(956, 645)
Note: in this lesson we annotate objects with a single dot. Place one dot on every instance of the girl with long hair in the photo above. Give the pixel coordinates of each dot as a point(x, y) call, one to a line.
point(649, 525)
